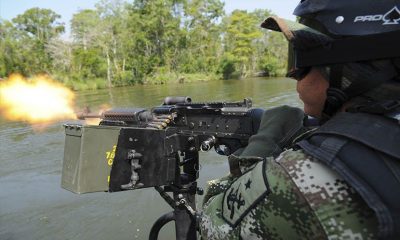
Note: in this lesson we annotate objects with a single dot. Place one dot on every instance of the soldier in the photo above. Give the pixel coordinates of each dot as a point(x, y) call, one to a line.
point(340, 180)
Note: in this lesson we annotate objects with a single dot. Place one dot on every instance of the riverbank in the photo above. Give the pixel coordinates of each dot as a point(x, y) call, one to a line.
point(155, 79)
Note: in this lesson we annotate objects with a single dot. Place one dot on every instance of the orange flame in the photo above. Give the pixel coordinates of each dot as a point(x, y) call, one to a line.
point(92, 121)
point(35, 100)
point(96, 121)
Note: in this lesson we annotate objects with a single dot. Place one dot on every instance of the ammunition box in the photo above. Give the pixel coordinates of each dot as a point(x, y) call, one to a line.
point(88, 157)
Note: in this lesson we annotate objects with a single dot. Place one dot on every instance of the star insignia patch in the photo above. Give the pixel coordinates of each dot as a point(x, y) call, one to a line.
point(248, 184)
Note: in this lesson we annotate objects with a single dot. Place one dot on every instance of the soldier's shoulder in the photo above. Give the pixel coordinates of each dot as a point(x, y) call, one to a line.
point(341, 210)
point(292, 197)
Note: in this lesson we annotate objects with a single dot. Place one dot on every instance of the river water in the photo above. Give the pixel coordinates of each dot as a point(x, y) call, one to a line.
point(34, 206)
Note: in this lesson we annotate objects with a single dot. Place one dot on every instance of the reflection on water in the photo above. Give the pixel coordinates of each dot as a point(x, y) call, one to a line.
point(32, 204)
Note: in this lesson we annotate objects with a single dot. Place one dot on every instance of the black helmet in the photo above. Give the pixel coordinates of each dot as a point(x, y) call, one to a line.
point(351, 40)
point(350, 17)
point(331, 29)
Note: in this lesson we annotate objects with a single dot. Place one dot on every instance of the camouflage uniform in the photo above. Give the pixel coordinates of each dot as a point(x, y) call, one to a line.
point(304, 200)
point(293, 196)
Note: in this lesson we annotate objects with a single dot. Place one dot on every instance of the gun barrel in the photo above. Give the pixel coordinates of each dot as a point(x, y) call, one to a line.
point(82, 116)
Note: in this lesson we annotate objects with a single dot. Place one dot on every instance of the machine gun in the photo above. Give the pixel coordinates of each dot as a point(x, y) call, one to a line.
point(138, 148)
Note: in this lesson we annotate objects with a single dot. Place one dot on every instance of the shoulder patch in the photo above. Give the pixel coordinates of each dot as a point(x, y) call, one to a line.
point(244, 194)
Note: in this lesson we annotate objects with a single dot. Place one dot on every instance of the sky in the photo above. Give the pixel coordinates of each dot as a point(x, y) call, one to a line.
point(66, 8)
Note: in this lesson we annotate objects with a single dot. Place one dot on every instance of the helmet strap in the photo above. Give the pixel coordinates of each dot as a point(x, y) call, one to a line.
point(335, 76)
point(335, 97)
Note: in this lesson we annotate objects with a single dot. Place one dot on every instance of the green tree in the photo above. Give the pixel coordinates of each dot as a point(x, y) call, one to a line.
point(61, 55)
point(33, 31)
point(242, 30)
point(201, 43)
point(6, 55)
point(270, 48)
point(88, 60)
point(40, 23)
point(122, 43)
point(83, 27)
point(273, 61)
point(156, 28)
point(227, 66)
point(15, 50)
point(113, 25)
point(100, 38)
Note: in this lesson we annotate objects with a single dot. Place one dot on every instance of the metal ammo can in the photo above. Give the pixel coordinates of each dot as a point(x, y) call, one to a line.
point(88, 156)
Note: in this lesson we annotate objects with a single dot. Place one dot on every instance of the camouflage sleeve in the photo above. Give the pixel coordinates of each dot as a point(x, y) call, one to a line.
point(293, 197)
point(215, 187)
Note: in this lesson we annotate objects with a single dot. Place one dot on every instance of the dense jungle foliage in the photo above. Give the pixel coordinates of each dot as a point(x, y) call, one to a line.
point(144, 41)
